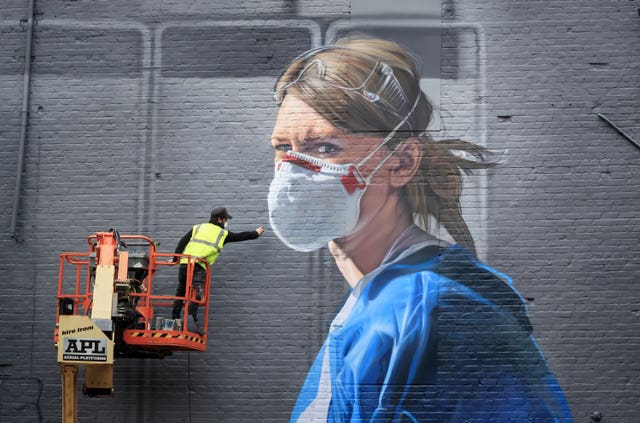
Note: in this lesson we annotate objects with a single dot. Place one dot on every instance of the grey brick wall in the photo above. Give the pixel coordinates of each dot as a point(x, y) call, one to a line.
point(133, 126)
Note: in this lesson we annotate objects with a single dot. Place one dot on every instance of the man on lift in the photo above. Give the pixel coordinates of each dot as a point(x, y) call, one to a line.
point(204, 240)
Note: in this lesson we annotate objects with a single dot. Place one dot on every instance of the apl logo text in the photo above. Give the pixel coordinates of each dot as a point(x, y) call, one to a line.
point(85, 349)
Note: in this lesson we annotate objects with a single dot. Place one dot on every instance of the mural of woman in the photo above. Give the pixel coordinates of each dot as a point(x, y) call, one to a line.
point(428, 333)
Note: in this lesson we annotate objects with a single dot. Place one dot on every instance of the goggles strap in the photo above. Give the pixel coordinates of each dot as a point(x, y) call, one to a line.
point(387, 139)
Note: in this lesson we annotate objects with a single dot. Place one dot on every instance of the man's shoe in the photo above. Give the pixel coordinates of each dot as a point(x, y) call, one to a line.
point(192, 325)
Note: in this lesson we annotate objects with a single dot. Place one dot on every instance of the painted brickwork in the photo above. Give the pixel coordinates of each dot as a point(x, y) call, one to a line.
point(132, 127)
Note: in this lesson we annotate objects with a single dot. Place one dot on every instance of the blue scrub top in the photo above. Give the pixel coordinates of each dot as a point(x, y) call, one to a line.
point(434, 336)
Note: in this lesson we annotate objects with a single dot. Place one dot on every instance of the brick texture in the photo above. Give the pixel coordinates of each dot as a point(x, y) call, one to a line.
point(143, 115)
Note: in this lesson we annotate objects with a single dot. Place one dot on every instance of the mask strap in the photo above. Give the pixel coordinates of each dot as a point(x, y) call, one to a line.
point(386, 140)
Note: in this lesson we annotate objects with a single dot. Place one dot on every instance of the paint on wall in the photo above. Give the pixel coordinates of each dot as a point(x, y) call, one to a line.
point(428, 333)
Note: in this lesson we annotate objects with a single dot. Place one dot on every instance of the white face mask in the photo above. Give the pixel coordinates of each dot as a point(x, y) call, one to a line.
point(312, 201)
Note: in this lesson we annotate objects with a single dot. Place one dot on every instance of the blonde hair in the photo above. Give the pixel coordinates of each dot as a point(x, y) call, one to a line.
point(339, 82)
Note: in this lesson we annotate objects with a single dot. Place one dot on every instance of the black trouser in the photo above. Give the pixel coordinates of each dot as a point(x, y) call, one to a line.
point(199, 277)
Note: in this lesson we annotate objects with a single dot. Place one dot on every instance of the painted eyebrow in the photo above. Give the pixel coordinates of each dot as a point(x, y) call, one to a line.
point(334, 137)
point(308, 140)
point(278, 139)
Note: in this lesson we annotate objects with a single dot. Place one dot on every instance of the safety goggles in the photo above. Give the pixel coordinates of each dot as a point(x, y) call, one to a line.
point(380, 87)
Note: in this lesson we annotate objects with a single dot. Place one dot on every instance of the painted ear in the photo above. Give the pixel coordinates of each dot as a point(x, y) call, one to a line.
point(408, 158)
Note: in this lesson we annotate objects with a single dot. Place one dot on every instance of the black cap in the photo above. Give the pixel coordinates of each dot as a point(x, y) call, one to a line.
point(220, 212)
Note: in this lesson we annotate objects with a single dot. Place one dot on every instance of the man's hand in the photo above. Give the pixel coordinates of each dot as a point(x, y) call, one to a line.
point(260, 230)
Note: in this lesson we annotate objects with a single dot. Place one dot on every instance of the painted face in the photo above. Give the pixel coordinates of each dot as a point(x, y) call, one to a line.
point(309, 204)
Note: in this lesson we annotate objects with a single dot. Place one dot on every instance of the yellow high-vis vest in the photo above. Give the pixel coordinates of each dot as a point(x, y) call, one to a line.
point(206, 242)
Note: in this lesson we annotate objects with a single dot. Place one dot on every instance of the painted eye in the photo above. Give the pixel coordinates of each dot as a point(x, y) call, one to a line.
point(282, 147)
point(326, 148)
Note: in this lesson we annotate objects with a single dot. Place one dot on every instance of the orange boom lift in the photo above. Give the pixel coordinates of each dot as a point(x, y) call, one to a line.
point(109, 307)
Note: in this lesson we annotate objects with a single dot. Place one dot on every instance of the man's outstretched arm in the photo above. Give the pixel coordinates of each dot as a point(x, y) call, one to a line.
point(244, 236)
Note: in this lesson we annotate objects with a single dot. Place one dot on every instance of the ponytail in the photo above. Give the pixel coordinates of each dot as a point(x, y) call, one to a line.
point(434, 192)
